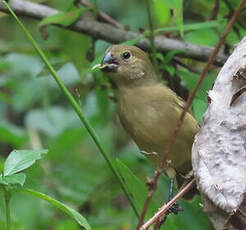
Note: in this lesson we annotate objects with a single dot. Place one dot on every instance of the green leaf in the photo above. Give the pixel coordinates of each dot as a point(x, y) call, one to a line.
point(63, 18)
point(202, 37)
point(19, 160)
point(200, 102)
point(136, 187)
point(177, 6)
point(162, 12)
point(134, 41)
point(69, 211)
point(194, 26)
point(199, 108)
point(4, 65)
point(13, 179)
point(170, 55)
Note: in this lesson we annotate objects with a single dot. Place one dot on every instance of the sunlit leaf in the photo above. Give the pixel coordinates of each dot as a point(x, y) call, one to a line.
point(162, 12)
point(69, 211)
point(19, 160)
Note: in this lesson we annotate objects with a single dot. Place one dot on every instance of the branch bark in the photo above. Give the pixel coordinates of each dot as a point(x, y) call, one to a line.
point(114, 35)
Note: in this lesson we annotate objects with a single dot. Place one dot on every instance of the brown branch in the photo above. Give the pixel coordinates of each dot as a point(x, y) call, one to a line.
point(111, 34)
point(165, 207)
point(103, 16)
point(187, 105)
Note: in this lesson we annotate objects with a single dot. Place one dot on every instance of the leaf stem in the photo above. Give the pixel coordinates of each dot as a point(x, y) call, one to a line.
point(75, 106)
point(151, 34)
point(7, 197)
point(95, 9)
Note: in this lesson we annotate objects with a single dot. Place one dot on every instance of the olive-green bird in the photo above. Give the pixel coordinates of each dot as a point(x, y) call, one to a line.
point(148, 110)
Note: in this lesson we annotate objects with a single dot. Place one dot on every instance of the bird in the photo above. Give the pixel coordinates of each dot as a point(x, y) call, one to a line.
point(149, 110)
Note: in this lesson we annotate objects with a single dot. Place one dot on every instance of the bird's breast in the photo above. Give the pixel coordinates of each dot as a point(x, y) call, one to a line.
point(142, 119)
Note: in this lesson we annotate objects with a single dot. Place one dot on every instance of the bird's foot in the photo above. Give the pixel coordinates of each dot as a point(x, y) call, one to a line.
point(175, 209)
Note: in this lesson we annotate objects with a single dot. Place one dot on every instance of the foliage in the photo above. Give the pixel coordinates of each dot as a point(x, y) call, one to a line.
point(35, 115)
point(19, 160)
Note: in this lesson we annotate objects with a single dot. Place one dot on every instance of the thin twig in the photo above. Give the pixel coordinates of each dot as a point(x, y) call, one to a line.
point(7, 197)
point(165, 207)
point(215, 10)
point(190, 68)
point(103, 16)
point(187, 105)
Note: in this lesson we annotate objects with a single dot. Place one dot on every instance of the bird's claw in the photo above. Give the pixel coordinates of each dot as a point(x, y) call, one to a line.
point(175, 209)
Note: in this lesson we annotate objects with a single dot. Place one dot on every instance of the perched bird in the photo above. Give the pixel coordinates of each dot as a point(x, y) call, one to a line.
point(148, 110)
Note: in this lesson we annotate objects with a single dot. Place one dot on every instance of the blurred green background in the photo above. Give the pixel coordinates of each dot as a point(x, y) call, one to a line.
point(35, 114)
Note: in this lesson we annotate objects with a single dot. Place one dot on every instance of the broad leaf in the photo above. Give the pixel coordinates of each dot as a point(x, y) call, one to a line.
point(13, 179)
point(71, 212)
point(19, 160)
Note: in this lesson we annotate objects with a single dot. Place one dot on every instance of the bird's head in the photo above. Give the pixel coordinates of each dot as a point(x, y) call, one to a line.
point(128, 66)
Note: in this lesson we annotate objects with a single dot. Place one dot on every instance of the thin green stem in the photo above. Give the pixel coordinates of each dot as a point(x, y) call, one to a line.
point(96, 9)
point(7, 197)
point(151, 34)
point(75, 106)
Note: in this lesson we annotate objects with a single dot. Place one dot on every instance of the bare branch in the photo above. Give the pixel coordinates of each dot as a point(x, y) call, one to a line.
point(114, 35)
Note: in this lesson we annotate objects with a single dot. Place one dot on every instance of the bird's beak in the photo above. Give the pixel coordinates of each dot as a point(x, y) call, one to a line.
point(109, 63)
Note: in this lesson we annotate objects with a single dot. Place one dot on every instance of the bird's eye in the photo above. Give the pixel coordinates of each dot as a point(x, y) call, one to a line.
point(126, 55)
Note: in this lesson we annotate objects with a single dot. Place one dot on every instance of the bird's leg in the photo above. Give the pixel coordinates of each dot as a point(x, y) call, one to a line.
point(175, 208)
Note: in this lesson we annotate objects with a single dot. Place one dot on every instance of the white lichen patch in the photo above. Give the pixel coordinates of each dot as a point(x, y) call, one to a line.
point(219, 149)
